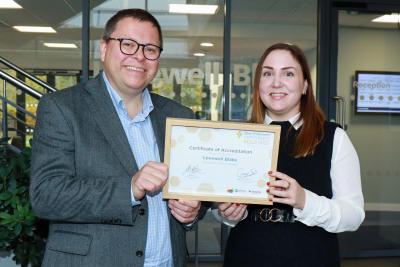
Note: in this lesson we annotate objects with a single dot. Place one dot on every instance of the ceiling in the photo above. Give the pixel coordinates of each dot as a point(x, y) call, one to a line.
point(255, 25)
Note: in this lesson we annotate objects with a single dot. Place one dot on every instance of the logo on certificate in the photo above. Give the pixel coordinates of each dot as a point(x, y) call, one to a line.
point(233, 191)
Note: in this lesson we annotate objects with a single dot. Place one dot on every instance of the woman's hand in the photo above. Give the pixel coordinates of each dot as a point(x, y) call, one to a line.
point(286, 190)
point(232, 211)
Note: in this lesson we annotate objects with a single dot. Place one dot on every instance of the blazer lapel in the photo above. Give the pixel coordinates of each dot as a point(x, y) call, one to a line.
point(158, 119)
point(158, 122)
point(101, 106)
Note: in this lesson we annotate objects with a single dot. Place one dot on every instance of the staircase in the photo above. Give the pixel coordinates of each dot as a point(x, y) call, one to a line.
point(20, 94)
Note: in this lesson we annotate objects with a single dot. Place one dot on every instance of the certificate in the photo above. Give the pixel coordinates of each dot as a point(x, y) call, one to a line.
point(219, 161)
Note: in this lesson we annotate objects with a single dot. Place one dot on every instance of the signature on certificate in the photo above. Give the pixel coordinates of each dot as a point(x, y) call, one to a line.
point(245, 175)
point(192, 171)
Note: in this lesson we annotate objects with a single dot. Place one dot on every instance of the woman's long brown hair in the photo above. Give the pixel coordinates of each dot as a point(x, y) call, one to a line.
point(312, 131)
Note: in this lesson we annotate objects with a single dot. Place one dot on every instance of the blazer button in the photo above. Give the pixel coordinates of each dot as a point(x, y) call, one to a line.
point(141, 211)
point(139, 253)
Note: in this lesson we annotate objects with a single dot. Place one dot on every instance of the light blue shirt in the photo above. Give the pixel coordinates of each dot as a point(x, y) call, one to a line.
point(142, 141)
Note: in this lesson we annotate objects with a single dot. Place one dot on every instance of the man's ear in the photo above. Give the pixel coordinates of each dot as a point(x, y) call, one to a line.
point(103, 48)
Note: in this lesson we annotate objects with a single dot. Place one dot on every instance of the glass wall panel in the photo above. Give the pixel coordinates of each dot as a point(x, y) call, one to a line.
point(374, 129)
point(255, 26)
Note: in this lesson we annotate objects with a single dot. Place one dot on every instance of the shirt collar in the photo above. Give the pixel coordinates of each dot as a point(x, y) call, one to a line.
point(119, 103)
point(293, 120)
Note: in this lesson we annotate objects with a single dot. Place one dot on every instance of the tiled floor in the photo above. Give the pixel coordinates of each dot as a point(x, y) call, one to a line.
point(387, 262)
point(201, 264)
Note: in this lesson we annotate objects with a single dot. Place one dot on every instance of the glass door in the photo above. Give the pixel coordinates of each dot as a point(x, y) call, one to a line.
point(368, 107)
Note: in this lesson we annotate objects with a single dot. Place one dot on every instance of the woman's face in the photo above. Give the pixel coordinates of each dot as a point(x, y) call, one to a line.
point(281, 85)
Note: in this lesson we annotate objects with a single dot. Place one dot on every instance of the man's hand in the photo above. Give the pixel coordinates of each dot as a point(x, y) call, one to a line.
point(150, 178)
point(184, 211)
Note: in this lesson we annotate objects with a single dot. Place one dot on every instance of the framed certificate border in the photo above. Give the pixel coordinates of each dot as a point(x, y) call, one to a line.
point(251, 140)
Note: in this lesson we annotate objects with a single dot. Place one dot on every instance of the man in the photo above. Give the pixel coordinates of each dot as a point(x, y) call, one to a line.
point(96, 171)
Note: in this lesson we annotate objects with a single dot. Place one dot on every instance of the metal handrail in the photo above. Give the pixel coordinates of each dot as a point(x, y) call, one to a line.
point(20, 84)
point(14, 148)
point(9, 79)
point(19, 120)
point(19, 108)
point(16, 130)
point(26, 74)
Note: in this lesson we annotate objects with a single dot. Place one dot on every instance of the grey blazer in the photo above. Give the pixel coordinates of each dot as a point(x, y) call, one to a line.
point(81, 173)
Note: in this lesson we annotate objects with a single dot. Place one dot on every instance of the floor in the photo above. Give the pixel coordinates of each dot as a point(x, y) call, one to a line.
point(374, 234)
point(387, 262)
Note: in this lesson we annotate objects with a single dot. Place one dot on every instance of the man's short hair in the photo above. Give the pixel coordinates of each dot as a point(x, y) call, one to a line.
point(134, 13)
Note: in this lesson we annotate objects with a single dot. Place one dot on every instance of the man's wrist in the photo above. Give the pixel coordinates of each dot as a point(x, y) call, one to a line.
point(134, 202)
point(195, 220)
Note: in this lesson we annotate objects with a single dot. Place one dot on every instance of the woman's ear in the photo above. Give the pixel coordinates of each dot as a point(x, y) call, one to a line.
point(305, 87)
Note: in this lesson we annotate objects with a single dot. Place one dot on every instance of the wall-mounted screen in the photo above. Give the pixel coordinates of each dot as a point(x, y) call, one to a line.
point(377, 92)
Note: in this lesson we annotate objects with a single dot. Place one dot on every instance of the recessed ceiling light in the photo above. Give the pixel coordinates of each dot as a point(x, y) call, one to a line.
point(193, 9)
point(199, 54)
point(34, 29)
point(9, 4)
point(60, 45)
point(393, 18)
point(207, 44)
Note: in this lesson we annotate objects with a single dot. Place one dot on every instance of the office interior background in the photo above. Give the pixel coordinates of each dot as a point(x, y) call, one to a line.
point(208, 64)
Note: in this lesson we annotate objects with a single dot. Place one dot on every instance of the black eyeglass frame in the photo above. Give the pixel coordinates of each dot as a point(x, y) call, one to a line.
point(120, 40)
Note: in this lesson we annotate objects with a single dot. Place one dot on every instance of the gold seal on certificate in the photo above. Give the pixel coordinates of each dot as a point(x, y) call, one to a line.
point(219, 161)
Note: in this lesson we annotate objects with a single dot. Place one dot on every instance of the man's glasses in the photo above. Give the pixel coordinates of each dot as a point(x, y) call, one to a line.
point(130, 47)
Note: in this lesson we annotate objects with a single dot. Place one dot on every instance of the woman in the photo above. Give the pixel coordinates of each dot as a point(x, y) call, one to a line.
point(317, 189)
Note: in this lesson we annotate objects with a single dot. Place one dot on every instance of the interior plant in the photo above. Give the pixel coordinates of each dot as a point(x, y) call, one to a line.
point(21, 232)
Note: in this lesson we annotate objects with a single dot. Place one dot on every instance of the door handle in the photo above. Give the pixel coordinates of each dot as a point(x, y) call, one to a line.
point(340, 111)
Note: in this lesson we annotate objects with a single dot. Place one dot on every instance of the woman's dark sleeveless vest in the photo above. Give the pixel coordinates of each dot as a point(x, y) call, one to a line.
point(287, 244)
